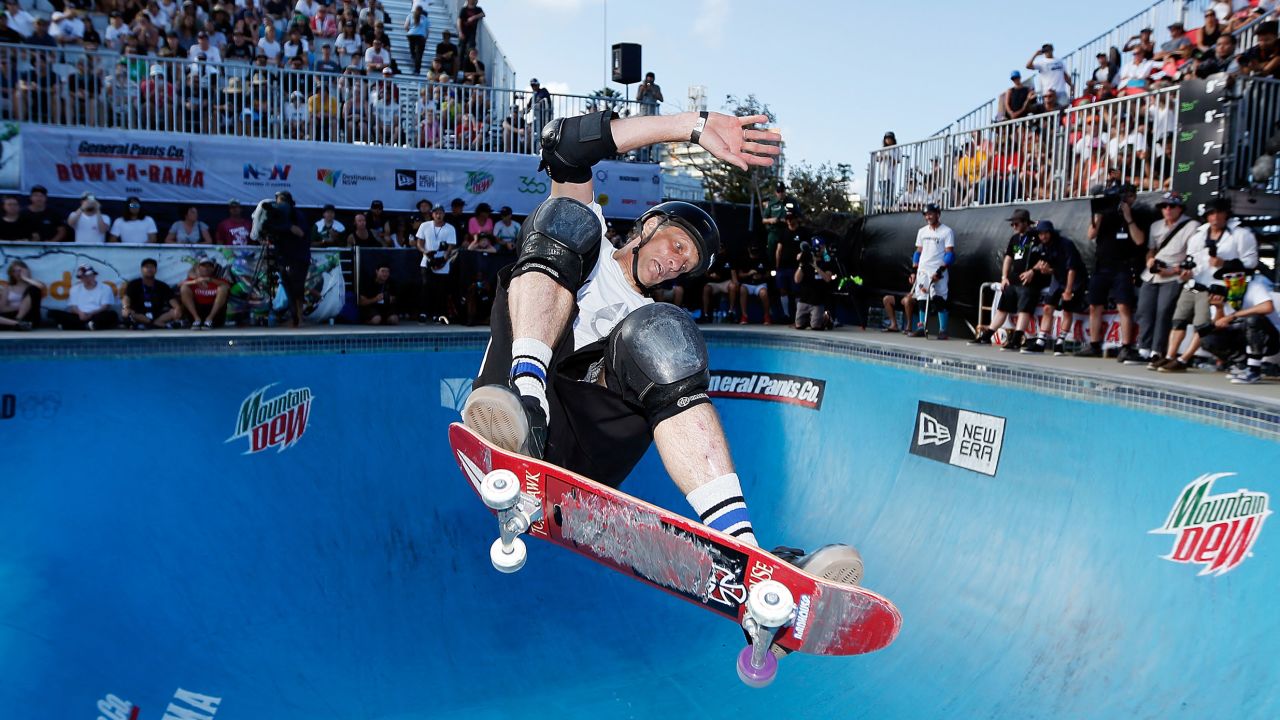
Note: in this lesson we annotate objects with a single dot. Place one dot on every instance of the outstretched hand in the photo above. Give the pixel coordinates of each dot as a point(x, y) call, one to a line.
point(731, 139)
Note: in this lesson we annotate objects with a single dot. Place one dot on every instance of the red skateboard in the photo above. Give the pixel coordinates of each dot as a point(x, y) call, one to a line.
point(766, 595)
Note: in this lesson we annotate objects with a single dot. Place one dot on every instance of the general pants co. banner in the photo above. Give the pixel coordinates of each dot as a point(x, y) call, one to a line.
point(171, 167)
point(254, 290)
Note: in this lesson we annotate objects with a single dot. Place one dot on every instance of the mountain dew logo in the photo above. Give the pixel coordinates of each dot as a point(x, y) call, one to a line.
point(276, 422)
point(1216, 531)
point(478, 181)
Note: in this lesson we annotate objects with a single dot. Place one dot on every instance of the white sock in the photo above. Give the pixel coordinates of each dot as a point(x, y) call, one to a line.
point(721, 506)
point(529, 361)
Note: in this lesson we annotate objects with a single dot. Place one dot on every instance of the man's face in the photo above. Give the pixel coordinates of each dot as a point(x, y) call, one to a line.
point(10, 206)
point(932, 217)
point(38, 199)
point(1051, 99)
point(233, 210)
point(360, 221)
point(437, 216)
point(669, 253)
point(384, 274)
point(1266, 40)
point(1218, 219)
point(1225, 47)
point(148, 272)
point(1019, 226)
point(793, 223)
point(204, 270)
point(1171, 213)
point(1046, 236)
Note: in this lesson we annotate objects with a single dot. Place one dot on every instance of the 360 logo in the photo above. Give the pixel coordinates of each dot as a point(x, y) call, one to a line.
point(532, 185)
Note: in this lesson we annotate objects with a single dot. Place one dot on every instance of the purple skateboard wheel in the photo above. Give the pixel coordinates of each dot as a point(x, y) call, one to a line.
point(756, 677)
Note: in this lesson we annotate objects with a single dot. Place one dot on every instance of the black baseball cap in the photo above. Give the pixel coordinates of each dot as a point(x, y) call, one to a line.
point(484, 207)
point(456, 202)
point(780, 187)
point(932, 207)
point(1218, 205)
point(1020, 214)
point(375, 205)
point(1229, 267)
point(1171, 199)
point(39, 189)
point(506, 210)
point(328, 207)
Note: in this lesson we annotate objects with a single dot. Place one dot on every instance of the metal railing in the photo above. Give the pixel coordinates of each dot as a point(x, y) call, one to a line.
point(1055, 156)
point(1255, 118)
point(106, 90)
point(499, 69)
point(1082, 61)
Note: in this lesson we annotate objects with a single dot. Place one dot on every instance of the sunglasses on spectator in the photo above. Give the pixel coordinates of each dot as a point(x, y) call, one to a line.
point(1233, 275)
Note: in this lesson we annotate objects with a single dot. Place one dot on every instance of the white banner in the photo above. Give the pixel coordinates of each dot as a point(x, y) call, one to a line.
point(55, 265)
point(171, 167)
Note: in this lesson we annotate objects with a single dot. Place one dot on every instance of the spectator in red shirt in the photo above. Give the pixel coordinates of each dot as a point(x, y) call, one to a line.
point(205, 296)
point(234, 230)
point(324, 25)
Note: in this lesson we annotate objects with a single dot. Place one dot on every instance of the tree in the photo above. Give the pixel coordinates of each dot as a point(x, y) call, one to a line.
point(726, 183)
point(606, 98)
point(821, 189)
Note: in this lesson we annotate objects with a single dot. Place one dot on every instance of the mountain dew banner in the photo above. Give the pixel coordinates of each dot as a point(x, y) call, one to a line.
point(251, 277)
point(171, 167)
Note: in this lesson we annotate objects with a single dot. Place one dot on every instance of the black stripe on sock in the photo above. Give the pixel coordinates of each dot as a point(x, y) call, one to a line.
point(742, 531)
point(722, 505)
point(530, 358)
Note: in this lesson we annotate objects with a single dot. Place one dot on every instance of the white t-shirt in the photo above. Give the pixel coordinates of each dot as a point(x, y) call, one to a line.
point(1237, 243)
point(23, 23)
point(372, 56)
point(338, 227)
point(307, 8)
point(505, 232)
point(348, 45)
point(133, 231)
point(933, 246)
point(1053, 76)
point(606, 297)
point(213, 55)
point(86, 227)
point(91, 301)
point(432, 238)
point(270, 48)
point(1258, 292)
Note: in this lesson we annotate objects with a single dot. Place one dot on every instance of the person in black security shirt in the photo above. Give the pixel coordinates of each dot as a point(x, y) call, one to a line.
point(753, 281)
point(789, 242)
point(1119, 240)
point(149, 302)
point(378, 299)
point(14, 225)
point(47, 224)
point(286, 230)
point(1020, 286)
point(1057, 259)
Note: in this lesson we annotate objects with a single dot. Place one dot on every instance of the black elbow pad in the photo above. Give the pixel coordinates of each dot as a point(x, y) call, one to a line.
point(572, 146)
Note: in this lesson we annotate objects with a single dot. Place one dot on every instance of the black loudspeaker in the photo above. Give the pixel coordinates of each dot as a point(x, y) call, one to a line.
point(626, 63)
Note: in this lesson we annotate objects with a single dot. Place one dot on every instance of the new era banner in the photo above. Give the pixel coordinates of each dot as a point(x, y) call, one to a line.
point(170, 167)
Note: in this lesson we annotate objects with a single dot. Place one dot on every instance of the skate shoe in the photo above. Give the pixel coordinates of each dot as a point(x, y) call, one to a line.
point(836, 562)
point(512, 422)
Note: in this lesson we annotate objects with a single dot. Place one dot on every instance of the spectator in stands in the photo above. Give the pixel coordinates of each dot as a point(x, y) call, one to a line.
point(150, 303)
point(323, 110)
point(205, 296)
point(47, 224)
point(1061, 261)
point(380, 224)
point(649, 94)
point(38, 91)
point(472, 68)
point(1016, 101)
point(1135, 75)
point(753, 279)
point(325, 63)
point(721, 279)
point(328, 231)
point(437, 241)
point(1141, 40)
point(377, 31)
point(507, 230)
point(539, 108)
point(378, 299)
point(483, 243)
point(133, 227)
point(88, 222)
point(307, 8)
point(20, 21)
point(297, 119)
point(7, 34)
point(447, 52)
point(1053, 76)
point(469, 17)
point(190, 230)
point(20, 301)
point(1020, 284)
point(1046, 103)
point(349, 45)
point(1158, 296)
point(1263, 59)
point(361, 236)
point(1218, 240)
point(416, 27)
point(457, 217)
point(1247, 326)
point(187, 31)
point(116, 32)
point(1222, 60)
point(14, 225)
point(268, 45)
point(234, 229)
point(1210, 31)
point(371, 14)
point(40, 36)
point(1101, 83)
point(1117, 236)
point(377, 57)
point(205, 48)
point(295, 45)
point(1177, 48)
point(384, 101)
point(482, 222)
point(240, 50)
point(67, 28)
point(324, 26)
point(91, 304)
point(355, 110)
point(934, 255)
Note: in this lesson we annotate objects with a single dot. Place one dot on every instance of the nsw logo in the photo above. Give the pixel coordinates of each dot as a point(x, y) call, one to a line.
point(263, 173)
point(329, 177)
point(277, 422)
point(1215, 531)
point(962, 438)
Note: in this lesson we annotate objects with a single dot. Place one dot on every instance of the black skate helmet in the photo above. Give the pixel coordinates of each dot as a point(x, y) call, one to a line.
point(694, 221)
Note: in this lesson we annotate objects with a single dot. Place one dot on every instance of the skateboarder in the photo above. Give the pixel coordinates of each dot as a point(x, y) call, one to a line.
point(583, 368)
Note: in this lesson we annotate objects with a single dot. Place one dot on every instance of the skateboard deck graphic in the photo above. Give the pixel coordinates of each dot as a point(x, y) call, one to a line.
point(680, 556)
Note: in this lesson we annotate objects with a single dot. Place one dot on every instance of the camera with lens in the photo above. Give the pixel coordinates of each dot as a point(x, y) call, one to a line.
point(1158, 265)
point(1212, 246)
point(1188, 264)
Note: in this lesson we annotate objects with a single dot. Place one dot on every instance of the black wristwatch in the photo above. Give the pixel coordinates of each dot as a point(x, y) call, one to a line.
point(698, 127)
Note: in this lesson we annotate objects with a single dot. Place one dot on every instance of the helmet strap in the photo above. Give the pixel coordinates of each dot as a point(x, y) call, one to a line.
point(635, 257)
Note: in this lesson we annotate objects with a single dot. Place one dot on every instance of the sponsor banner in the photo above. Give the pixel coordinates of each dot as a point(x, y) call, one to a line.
point(55, 265)
point(962, 438)
point(1215, 531)
point(170, 167)
point(1078, 330)
point(10, 156)
point(773, 387)
point(270, 421)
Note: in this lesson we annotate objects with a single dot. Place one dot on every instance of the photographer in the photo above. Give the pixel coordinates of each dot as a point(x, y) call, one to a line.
point(438, 243)
point(1212, 245)
point(1247, 326)
point(89, 224)
point(283, 231)
point(1166, 249)
point(811, 283)
point(649, 95)
point(792, 237)
point(377, 301)
point(1118, 239)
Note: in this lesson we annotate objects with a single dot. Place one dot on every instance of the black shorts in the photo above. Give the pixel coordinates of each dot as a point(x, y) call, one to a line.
point(379, 310)
point(293, 273)
point(1053, 300)
point(1020, 299)
point(1115, 283)
point(593, 430)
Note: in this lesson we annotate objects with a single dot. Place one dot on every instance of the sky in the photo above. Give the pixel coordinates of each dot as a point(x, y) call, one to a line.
point(836, 74)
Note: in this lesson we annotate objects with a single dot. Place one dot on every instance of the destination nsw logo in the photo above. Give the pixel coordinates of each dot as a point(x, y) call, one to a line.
point(790, 389)
point(1216, 531)
point(277, 422)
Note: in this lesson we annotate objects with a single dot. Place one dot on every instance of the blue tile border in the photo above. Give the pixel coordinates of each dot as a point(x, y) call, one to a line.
point(1257, 418)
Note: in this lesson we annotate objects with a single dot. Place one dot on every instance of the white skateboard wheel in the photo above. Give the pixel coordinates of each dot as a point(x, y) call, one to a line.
point(500, 489)
point(508, 561)
point(770, 604)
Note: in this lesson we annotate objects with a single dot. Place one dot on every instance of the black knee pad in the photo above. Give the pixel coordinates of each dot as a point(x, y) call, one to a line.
point(572, 146)
point(561, 239)
point(656, 357)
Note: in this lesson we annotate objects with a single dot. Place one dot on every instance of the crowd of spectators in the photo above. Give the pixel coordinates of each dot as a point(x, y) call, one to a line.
point(1057, 137)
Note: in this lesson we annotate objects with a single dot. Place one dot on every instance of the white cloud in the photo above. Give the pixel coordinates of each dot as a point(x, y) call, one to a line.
point(558, 5)
point(709, 25)
point(556, 88)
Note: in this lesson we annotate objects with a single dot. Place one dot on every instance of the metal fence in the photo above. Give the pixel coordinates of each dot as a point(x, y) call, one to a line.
point(106, 90)
point(499, 69)
point(1254, 121)
point(1055, 156)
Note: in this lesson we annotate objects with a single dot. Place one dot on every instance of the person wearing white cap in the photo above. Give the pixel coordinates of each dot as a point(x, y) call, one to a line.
point(91, 304)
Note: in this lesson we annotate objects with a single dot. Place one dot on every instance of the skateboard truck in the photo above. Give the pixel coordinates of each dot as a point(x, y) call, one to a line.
point(769, 608)
point(517, 512)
